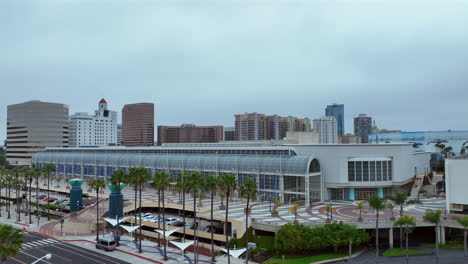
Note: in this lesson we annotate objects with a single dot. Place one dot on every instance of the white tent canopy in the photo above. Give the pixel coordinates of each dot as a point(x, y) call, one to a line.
point(113, 221)
point(130, 229)
point(236, 252)
point(182, 246)
point(168, 232)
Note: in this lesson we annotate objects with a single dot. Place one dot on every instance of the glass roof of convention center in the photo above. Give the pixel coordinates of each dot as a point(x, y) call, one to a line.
point(209, 162)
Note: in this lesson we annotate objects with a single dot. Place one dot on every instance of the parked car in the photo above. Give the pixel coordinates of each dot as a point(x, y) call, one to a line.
point(51, 200)
point(42, 196)
point(191, 226)
point(176, 223)
point(209, 228)
point(66, 203)
point(170, 219)
point(106, 243)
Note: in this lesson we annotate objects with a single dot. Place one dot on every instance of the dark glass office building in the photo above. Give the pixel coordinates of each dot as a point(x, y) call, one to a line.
point(337, 111)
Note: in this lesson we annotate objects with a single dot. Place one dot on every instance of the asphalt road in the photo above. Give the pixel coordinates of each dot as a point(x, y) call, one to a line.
point(35, 246)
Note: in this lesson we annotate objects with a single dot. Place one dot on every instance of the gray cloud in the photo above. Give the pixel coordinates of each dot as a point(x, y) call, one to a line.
point(402, 62)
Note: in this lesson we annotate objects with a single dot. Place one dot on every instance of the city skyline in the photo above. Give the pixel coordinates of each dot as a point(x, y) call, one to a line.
point(405, 74)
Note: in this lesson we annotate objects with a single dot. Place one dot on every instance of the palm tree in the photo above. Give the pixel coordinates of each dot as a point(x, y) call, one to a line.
point(228, 184)
point(349, 232)
point(377, 203)
point(131, 179)
point(183, 186)
point(139, 176)
point(162, 182)
point(8, 183)
point(16, 184)
point(98, 185)
point(10, 242)
point(211, 186)
point(49, 168)
point(294, 209)
point(249, 190)
point(196, 182)
point(406, 221)
point(29, 179)
point(117, 178)
point(463, 220)
point(328, 210)
point(360, 206)
point(401, 199)
point(36, 174)
point(434, 217)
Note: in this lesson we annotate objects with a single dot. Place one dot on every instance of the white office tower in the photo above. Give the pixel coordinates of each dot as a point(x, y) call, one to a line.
point(326, 127)
point(97, 130)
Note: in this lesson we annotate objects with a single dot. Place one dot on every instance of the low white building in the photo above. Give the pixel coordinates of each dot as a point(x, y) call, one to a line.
point(98, 130)
point(456, 182)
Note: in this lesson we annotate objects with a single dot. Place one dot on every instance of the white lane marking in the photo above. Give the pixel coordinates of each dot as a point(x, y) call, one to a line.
point(87, 252)
point(22, 252)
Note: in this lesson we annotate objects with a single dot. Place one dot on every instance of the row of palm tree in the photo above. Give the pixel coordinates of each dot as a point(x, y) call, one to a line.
point(187, 182)
point(19, 178)
point(431, 216)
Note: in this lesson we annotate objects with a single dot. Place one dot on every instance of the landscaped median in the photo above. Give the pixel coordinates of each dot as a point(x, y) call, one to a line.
point(295, 259)
point(449, 245)
point(393, 252)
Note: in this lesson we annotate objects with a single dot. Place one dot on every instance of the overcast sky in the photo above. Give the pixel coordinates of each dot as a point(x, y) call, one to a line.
point(403, 63)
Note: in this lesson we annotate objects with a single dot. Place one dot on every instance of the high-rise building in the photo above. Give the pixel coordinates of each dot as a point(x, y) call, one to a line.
point(32, 126)
point(138, 124)
point(326, 127)
point(228, 133)
point(119, 134)
point(337, 111)
point(97, 130)
point(363, 127)
point(249, 126)
point(275, 127)
point(189, 133)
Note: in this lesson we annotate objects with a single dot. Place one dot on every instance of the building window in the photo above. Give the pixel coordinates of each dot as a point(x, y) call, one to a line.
point(370, 171)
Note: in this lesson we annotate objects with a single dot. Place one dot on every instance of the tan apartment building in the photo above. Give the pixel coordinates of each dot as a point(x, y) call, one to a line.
point(32, 126)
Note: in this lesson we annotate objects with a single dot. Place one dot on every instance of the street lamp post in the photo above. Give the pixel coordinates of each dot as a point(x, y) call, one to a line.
point(331, 210)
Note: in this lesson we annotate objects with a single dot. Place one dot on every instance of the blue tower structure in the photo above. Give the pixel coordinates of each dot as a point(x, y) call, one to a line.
point(115, 200)
point(76, 195)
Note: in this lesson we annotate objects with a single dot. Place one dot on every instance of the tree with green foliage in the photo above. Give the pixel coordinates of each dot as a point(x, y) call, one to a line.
point(406, 221)
point(434, 217)
point(161, 182)
point(248, 190)
point(463, 221)
point(11, 241)
point(117, 178)
point(228, 184)
point(378, 204)
point(97, 185)
point(48, 169)
point(3, 161)
point(211, 185)
point(300, 239)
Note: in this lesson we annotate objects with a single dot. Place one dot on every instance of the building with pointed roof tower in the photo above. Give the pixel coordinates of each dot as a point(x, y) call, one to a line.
point(98, 130)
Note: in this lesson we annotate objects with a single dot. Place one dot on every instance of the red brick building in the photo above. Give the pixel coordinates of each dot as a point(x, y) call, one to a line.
point(189, 133)
point(138, 124)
